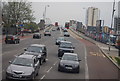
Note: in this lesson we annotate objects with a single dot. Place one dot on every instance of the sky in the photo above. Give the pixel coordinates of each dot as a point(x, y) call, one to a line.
point(64, 10)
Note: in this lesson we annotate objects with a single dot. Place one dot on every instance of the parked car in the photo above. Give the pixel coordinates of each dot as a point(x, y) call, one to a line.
point(59, 39)
point(24, 67)
point(12, 39)
point(66, 34)
point(37, 35)
point(47, 33)
point(65, 47)
point(69, 62)
point(38, 50)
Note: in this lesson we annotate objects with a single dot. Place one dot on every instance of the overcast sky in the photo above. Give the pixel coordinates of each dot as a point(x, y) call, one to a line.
point(65, 11)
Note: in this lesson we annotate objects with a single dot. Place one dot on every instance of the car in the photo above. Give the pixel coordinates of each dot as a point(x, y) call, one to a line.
point(65, 30)
point(38, 50)
point(69, 62)
point(53, 29)
point(12, 39)
point(23, 67)
point(37, 35)
point(65, 47)
point(59, 39)
point(66, 34)
point(47, 33)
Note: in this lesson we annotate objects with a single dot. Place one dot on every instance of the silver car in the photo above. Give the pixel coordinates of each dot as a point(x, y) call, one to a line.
point(24, 67)
point(69, 62)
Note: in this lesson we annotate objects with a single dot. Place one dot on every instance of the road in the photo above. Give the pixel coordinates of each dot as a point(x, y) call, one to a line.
point(94, 64)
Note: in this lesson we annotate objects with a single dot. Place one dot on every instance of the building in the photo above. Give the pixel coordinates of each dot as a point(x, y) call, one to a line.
point(0, 13)
point(117, 25)
point(119, 9)
point(93, 15)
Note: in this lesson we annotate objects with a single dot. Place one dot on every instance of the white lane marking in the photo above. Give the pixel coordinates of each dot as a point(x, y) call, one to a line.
point(86, 65)
point(49, 69)
point(55, 63)
point(43, 77)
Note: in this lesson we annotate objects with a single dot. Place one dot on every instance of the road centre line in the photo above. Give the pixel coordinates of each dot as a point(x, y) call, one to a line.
point(49, 69)
point(86, 65)
point(43, 77)
point(55, 63)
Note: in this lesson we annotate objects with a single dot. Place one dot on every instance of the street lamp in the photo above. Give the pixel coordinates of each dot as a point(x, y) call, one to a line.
point(111, 23)
point(44, 14)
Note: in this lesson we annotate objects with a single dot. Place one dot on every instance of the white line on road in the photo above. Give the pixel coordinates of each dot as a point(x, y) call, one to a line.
point(86, 65)
point(55, 63)
point(43, 77)
point(49, 69)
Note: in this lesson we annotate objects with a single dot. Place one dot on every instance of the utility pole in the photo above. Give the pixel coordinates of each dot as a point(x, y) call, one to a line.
point(111, 23)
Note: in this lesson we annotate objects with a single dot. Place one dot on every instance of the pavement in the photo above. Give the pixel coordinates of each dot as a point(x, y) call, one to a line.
point(103, 47)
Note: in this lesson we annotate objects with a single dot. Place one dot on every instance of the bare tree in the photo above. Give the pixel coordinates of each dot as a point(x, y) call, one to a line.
point(17, 12)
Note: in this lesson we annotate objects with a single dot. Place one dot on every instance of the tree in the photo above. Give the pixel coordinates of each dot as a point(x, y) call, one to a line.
point(17, 12)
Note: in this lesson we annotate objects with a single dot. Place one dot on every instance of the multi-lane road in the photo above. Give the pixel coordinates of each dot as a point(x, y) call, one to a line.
point(94, 64)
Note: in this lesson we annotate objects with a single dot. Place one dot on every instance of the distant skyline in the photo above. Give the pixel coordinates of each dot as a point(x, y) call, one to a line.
point(65, 11)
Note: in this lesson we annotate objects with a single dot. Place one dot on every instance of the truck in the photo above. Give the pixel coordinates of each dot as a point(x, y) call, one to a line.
point(67, 25)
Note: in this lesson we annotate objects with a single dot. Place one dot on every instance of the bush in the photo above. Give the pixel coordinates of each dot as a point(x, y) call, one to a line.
point(118, 60)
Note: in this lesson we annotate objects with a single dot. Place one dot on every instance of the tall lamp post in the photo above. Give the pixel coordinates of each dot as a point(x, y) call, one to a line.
point(44, 14)
point(111, 23)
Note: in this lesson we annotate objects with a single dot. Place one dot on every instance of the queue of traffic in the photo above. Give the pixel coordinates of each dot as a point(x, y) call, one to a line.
point(26, 65)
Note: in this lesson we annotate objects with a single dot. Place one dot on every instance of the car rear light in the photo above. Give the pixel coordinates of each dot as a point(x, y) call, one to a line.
point(12, 38)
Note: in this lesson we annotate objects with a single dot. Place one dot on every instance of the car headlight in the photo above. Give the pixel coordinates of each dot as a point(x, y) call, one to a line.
point(61, 64)
point(75, 65)
point(60, 50)
point(39, 56)
point(9, 70)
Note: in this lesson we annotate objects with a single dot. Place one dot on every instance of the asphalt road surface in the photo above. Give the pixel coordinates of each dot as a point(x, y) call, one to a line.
point(94, 64)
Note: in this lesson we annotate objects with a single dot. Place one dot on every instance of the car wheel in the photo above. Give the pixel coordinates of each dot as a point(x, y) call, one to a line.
point(15, 42)
point(6, 42)
point(18, 41)
point(41, 62)
point(33, 77)
point(77, 71)
point(44, 60)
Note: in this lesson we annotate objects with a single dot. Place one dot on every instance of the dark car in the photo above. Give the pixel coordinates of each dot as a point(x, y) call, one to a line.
point(37, 35)
point(47, 32)
point(66, 34)
point(38, 50)
point(65, 47)
point(69, 62)
point(24, 67)
point(59, 39)
point(12, 39)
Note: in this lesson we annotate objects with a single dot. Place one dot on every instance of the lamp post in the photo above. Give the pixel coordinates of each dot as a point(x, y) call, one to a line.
point(44, 14)
point(111, 23)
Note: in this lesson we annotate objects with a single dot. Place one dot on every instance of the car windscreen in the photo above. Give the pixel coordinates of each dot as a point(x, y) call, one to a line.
point(70, 57)
point(23, 62)
point(66, 45)
point(34, 49)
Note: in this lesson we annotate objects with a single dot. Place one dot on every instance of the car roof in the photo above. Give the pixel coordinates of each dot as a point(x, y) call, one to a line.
point(27, 56)
point(36, 33)
point(38, 45)
point(66, 41)
point(70, 54)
